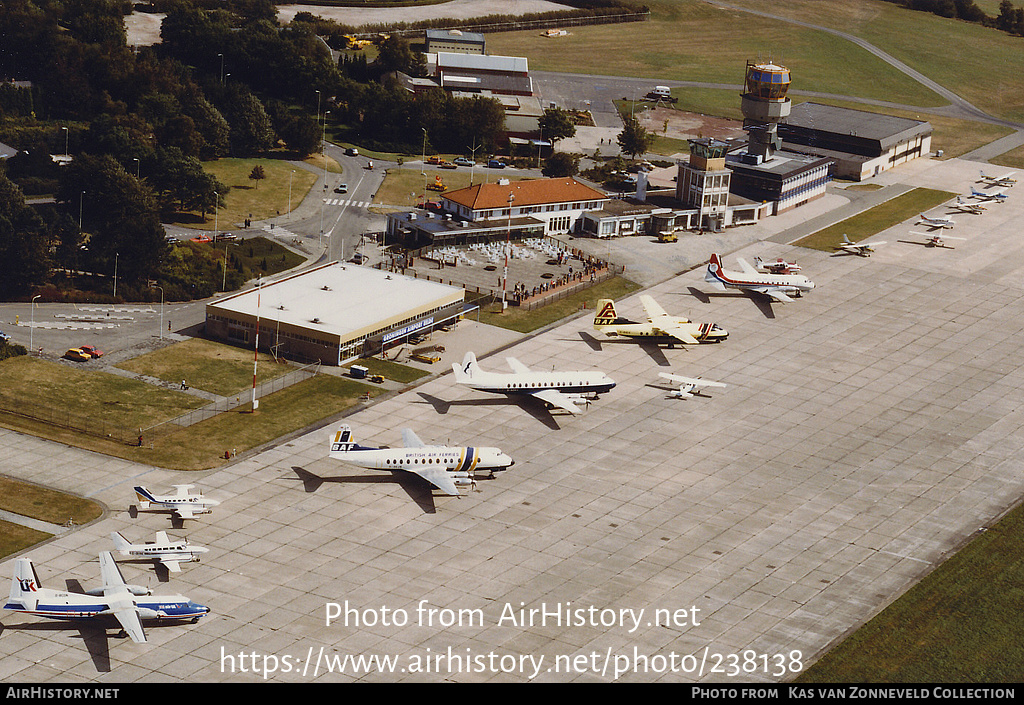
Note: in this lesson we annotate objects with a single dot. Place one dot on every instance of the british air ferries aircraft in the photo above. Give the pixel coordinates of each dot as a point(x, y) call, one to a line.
point(181, 503)
point(659, 328)
point(129, 604)
point(163, 550)
point(688, 386)
point(941, 222)
point(965, 207)
point(856, 248)
point(560, 389)
point(985, 197)
point(777, 286)
point(445, 467)
point(1004, 180)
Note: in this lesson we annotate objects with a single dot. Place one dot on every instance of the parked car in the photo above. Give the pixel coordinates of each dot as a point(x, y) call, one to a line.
point(224, 237)
point(496, 164)
point(4, 338)
point(358, 258)
point(202, 238)
point(91, 350)
point(341, 188)
point(77, 354)
point(352, 152)
point(462, 161)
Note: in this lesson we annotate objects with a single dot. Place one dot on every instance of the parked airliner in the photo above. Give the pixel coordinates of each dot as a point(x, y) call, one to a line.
point(777, 286)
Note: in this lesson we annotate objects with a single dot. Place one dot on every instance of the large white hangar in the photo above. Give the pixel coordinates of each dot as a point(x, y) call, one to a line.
point(334, 312)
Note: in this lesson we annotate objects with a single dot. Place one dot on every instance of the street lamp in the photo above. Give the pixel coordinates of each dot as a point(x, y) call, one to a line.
point(66, 133)
point(116, 255)
point(32, 327)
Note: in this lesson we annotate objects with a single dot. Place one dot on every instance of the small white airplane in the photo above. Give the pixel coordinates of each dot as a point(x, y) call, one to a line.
point(181, 503)
point(559, 389)
point(116, 598)
point(965, 207)
point(163, 550)
point(659, 328)
point(1004, 180)
point(777, 286)
point(986, 197)
point(939, 222)
point(856, 248)
point(937, 239)
point(778, 266)
point(445, 467)
point(689, 386)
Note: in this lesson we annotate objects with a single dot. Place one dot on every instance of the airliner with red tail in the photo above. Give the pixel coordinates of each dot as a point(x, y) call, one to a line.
point(777, 286)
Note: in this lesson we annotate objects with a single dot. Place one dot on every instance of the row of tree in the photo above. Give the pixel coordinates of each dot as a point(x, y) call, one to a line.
point(1009, 19)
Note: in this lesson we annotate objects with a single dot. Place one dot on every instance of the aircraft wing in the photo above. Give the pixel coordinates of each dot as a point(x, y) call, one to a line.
point(172, 566)
point(652, 308)
point(410, 439)
point(184, 512)
point(517, 367)
point(697, 382)
point(772, 292)
point(676, 331)
point(183, 490)
point(438, 477)
point(746, 266)
point(556, 398)
point(161, 538)
point(121, 604)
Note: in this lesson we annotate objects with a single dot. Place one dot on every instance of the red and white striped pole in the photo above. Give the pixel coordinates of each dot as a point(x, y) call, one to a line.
point(256, 347)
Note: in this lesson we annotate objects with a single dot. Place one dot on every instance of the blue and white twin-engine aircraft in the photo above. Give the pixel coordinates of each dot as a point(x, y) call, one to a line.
point(445, 467)
point(129, 604)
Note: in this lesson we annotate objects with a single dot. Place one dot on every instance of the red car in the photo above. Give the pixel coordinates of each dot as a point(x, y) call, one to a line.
point(91, 350)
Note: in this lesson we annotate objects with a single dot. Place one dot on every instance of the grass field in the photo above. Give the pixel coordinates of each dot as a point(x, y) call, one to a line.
point(213, 367)
point(875, 220)
point(45, 504)
point(523, 321)
point(961, 624)
point(15, 538)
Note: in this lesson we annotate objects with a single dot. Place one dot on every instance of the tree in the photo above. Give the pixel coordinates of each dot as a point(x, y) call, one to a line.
point(257, 174)
point(634, 140)
point(561, 164)
point(556, 124)
point(23, 243)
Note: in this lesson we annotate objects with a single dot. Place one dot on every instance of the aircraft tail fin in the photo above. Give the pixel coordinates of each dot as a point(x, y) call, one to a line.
point(25, 586)
point(712, 275)
point(468, 368)
point(122, 544)
point(342, 442)
point(605, 315)
point(144, 496)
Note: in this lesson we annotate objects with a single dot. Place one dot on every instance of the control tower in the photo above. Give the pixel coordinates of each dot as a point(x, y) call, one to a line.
point(764, 105)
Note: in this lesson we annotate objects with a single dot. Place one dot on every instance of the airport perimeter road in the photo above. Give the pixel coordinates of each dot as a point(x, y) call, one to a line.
point(867, 431)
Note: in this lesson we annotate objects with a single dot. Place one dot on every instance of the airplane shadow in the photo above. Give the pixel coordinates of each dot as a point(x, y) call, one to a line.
point(763, 302)
point(652, 349)
point(418, 489)
point(530, 406)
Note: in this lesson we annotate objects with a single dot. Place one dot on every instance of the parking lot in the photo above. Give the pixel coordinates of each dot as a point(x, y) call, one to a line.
point(868, 430)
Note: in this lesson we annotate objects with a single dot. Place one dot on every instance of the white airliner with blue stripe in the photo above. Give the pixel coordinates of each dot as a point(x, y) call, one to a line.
point(777, 286)
point(445, 467)
point(129, 604)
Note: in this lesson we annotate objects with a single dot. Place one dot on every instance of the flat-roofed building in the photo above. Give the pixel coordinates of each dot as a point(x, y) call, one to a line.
point(334, 312)
point(861, 143)
point(454, 41)
point(489, 75)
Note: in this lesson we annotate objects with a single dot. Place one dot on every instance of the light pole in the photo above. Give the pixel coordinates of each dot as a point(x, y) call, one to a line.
point(224, 284)
point(423, 164)
point(508, 246)
point(32, 327)
point(116, 255)
point(216, 214)
point(290, 190)
point(66, 133)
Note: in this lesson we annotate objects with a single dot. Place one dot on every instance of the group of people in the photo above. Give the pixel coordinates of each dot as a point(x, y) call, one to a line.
point(591, 265)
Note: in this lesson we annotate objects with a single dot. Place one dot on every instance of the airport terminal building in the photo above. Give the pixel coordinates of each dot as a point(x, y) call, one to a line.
point(333, 313)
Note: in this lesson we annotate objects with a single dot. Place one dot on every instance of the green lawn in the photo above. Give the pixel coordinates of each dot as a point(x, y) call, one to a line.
point(877, 219)
point(15, 538)
point(45, 504)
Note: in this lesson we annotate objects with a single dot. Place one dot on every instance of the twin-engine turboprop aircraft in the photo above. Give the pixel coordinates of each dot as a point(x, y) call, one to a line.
point(560, 389)
point(777, 286)
point(181, 503)
point(659, 328)
point(169, 553)
point(445, 467)
point(129, 604)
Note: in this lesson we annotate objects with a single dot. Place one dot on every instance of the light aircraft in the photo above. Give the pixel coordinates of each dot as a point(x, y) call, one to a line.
point(181, 503)
point(689, 386)
point(778, 266)
point(855, 248)
point(777, 286)
point(984, 196)
point(659, 328)
point(940, 222)
point(130, 604)
point(965, 207)
point(163, 550)
point(1004, 180)
point(444, 467)
point(937, 240)
point(559, 389)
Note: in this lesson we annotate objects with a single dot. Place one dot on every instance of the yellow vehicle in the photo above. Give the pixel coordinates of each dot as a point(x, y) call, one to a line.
point(77, 354)
point(667, 237)
point(425, 357)
point(438, 184)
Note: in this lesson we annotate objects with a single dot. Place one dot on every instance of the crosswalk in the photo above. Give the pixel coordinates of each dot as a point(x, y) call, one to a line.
point(346, 202)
